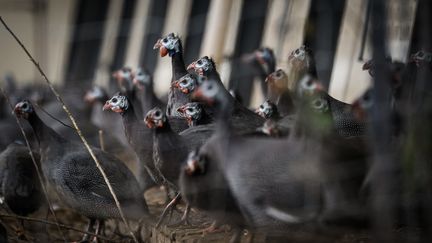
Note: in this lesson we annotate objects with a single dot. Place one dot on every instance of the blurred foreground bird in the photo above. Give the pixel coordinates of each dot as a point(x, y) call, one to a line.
point(20, 188)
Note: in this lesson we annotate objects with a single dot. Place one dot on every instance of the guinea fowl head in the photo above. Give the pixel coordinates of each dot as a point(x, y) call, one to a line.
point(186, 84)
point(118, 104)
point(124, 77)
point(369, 67)
point(169, 44)
point(195, 164)
point(308, 86)
point(24, 109)
point(96, 93)
point(277, 80)
point(202, 66)
point(267, 109)
point(191, 111)
point(263, 56)
point(362, 105)
point(142, 78)
point(421, 58)
point(300, 56)
point(209, 91)
point(155, 118)
point(270, 128)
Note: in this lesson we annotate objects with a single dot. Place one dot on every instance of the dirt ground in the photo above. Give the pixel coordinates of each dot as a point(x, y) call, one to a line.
point(41, 232)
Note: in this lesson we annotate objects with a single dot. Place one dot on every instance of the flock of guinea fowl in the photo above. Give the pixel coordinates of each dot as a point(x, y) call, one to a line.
point(300, 158)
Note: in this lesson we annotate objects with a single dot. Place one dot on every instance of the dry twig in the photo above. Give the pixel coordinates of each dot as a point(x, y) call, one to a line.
point(78, 130)
point(54, 223)
point(39, 174)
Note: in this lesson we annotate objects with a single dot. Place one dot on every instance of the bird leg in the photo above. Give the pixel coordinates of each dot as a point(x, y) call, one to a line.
point(100, 224)
point(89, 229)
point(213, 228)
point(170, 206)
point(184, 219)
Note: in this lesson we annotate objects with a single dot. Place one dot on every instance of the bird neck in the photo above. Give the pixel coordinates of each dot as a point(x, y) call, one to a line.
point(223, 115)
point(129, 116)
point(148, 98)
point(45, 135)
point(178, 65)
point(166, 129)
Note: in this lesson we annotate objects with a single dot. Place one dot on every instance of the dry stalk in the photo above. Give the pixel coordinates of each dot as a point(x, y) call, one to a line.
point(39, 174)
point(78, 130)
point(54, 223)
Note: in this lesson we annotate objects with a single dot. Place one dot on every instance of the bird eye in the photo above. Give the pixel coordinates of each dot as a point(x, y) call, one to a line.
point(199, 62)
point(297, 51)
point(190, 109)
point(24, 106)
point(420, 54)
point(184, 82)
point(158, 114)
point(278, 74)
point(309, 83)
point(164, 40)
point(261, 107)
point(318, 103)
point(114, 100)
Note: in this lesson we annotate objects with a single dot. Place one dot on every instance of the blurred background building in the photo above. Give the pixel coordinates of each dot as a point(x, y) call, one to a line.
point(80, 42)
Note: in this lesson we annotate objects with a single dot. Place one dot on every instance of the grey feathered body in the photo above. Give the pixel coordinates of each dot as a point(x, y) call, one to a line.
point(19, 183)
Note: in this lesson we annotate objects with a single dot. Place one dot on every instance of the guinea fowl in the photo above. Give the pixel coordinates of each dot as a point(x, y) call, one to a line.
point(187, 84)
point(20, 187)
point(194, 113)
point(252, 175)
point(205, 66)
point(268, 110)
point(203, 186)
point(170, 149)
point(72, 173)
point(422, 58)
point(140, 138)
point(344, 120)
point(124, 78)
point(264, 62)
point(300, 62)
point(171, 45)
point(144, 85)
point(143, 81)
point(243, 119)
point(279, 93)
point(96, 97)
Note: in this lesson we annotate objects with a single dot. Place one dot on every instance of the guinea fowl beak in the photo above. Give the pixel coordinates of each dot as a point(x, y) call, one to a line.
point(248, 58)
point(260, 113)
point(191, 66)
point(181, 109)
point(269, 79)
point(319, 87)
point(149, 122)
point(367, 65)
point(191, 167)
point(176, 84)
point(197, 94)
point(116, 75)
point(107, 106)
point(88, 98)
point(17, 111)
point(162, 49)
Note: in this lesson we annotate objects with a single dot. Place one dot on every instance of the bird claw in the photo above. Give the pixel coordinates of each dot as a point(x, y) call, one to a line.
point(213, 228)
point(167, 209)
